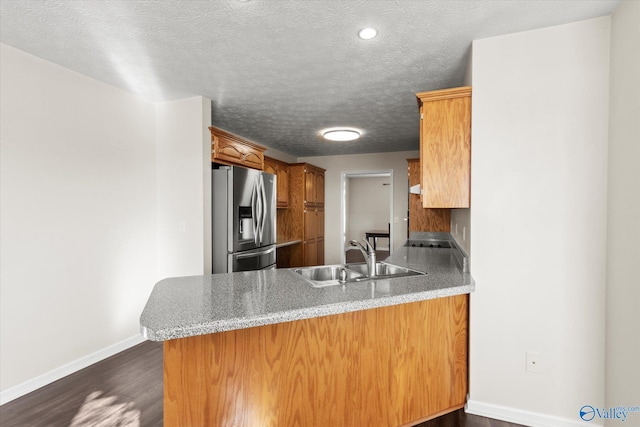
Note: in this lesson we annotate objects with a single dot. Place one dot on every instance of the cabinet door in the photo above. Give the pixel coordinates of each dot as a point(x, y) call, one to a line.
point(319, 225)
point(227, 150)
point(281, 170)
point(283, 186)
point(445, 148)
point(270, 166)
point(310, 227)
point(309, 187)
point(252, 159)
point(320, 244)
point(311, 253)
point(319, 188)
point(320, 235)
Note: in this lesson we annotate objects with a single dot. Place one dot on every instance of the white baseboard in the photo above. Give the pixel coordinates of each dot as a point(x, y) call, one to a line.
point(54, 375)
point(519, 416)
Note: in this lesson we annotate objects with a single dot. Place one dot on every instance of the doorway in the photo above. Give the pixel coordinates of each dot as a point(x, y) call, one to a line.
point(366, 209)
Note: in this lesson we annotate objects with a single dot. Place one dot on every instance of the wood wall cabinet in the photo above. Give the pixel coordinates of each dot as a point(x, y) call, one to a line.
point(230, 149)
point(313, 185)
point(421, 219)
point(305, 216)
point(445, 147)
point(281, 170)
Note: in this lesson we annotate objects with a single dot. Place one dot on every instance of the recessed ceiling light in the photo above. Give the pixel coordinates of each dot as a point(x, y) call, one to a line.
point(340, 134)
point(367, 33)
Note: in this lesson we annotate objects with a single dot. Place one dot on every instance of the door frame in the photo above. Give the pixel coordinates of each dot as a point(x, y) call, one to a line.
point(344, 176)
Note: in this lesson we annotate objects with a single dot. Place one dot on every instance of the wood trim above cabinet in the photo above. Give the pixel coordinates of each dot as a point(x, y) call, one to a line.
point(230, 149)
point(435, 95)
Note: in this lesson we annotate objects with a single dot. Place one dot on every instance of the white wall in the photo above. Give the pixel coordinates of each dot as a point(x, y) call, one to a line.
point(623, 249)
point(362, 162)
point(368, 207)
point(77, 215)
point(184, 187)
point(539, 180)
point(461, 218)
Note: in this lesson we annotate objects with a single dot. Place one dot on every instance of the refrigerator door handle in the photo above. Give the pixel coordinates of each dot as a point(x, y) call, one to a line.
point(254, 212)
point(255, 254)
point(259, 210)
point(263, 204)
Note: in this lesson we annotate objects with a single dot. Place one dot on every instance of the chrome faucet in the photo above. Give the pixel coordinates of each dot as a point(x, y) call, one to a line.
point(369, 255)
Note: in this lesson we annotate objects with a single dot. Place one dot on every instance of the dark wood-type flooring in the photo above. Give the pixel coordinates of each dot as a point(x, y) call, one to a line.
point(129, 384)
point(125, 390)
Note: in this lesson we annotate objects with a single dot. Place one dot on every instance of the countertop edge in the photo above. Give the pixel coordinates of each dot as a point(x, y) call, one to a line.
point(300, 314)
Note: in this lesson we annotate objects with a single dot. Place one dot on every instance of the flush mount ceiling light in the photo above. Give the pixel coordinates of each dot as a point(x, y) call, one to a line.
point(367, 33)
point(340, 134)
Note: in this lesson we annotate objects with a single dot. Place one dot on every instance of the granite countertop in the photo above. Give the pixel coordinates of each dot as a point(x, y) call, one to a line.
point(197, 305)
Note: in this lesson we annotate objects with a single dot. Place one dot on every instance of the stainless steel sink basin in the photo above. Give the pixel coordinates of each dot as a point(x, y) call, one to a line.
point(326, 275)
point(329, 275)
point(384, 270)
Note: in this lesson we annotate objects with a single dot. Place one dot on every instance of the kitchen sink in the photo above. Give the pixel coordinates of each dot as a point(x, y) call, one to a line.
point(329, 275)
point(383, 269)
point(326, 275)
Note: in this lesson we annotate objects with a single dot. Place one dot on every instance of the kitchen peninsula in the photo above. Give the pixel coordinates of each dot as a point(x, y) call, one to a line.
point(267, 348)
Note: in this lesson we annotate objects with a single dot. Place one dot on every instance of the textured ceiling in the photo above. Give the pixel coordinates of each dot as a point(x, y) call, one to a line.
point(279, 71)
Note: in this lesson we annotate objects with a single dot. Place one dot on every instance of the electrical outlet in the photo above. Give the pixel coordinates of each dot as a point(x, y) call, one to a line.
point(464, 234)
point(182, 226)
point(456, 228)
point(534, 363)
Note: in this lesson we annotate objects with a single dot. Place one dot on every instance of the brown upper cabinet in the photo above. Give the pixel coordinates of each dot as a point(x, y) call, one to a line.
point(313, 185)
point(445, 147)
point(281, 170)
point(230, 149)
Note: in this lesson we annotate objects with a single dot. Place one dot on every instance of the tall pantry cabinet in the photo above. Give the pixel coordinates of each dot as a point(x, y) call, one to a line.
point(306, 210)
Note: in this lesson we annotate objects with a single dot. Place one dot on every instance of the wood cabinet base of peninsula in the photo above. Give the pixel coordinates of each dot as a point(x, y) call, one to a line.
point(389, 366)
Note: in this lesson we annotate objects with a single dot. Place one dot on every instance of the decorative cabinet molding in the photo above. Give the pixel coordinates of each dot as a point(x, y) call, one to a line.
point(281, 170)
point(445, 147)
point(230, 149)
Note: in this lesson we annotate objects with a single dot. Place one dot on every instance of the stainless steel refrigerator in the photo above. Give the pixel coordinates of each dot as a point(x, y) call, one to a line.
point(244, 219)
